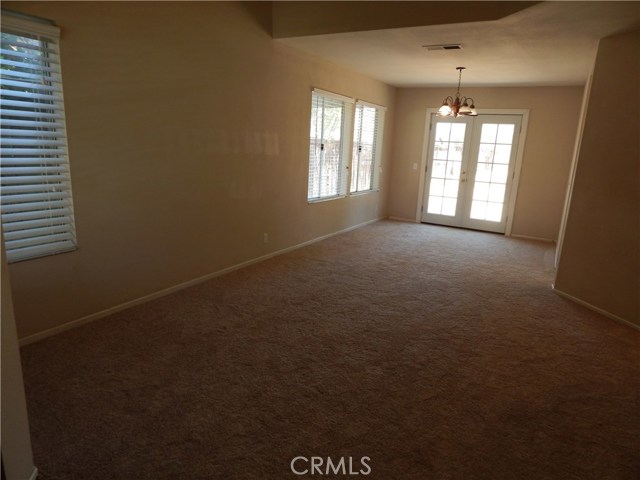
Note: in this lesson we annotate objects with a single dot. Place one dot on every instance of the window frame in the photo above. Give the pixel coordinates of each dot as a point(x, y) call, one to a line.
point(342, 179)
point(37, 202)
point(376, 148)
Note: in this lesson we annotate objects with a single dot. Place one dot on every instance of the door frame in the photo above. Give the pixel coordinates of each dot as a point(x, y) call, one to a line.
point(426, 145)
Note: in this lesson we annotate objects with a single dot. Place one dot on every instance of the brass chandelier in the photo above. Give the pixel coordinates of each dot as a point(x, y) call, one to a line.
point(460, 106)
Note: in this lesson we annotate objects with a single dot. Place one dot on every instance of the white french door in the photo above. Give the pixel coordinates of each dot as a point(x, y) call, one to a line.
point(470, 165)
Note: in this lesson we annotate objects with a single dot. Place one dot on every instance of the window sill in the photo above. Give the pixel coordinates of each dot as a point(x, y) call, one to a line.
point(363, 192)
point(324, 199)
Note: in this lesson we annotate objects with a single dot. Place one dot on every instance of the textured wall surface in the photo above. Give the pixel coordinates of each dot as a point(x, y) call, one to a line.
point(189, 138)
point(600, 258)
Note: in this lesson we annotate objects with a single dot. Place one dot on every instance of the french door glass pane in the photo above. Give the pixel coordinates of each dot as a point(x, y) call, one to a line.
point(455, 152)
point(499, 174)
point(439, 168)
point(457, 132)
point(502, 154)
point(505, 133)
point(483, 172)
point(489, 132)
point(451, 188)
point(453, 170)
point(437, 187)
point(435, 205)
point(496, 192)
point(481, 191)
point(449, 206)
point(445, 169)
point(492, 172)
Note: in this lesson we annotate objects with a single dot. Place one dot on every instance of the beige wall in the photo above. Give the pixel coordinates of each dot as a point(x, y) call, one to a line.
point(188, 134)
point(553, 120)
point(600, 259)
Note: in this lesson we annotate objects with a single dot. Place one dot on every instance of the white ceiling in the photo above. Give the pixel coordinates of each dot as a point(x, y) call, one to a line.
point(551, 43)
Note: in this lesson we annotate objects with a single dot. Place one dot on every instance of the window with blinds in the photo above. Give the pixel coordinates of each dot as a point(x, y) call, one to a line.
point(367, 143)
point(329, 141)
point(35, 185)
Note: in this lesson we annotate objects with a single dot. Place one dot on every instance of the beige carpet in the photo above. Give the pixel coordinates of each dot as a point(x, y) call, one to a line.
point(437, 353)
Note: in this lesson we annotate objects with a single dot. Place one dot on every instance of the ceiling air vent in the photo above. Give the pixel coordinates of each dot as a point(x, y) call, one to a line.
point(444, 46)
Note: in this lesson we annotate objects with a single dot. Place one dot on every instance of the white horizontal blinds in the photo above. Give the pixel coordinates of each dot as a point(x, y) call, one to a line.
point(377, 149)
point(327, 148)
point(35, 188)
point(369, 121)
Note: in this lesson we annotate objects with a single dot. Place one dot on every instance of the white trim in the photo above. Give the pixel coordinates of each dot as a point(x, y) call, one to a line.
point(402, 219)
point(522, 136)
point(511, 206)
point(35, 26)
point(181, 286)
point(324, 199)
point(423, 162)
point(369, 104)
point(325, 93)
point(503, 111)
point(594, 308)
point(34, 474)
point(364, 192)
point(530, 237)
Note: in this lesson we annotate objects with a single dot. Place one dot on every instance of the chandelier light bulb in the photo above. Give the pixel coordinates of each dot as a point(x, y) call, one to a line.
point(445, 110)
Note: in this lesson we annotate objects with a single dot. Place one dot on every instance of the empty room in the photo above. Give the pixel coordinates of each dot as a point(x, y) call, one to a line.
point(291, 239)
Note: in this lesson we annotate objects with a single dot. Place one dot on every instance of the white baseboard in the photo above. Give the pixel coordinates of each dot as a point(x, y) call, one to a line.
point(594, 308)
point(161, 293)
point(530, 237)
point(402, 219)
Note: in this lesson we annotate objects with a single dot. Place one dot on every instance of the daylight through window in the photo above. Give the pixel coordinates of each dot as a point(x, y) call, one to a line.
point(329, 139)
point(367, 140)
point(37, 210)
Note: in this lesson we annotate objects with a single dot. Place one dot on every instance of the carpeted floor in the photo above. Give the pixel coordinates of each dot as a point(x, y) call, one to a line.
point(438, 353)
